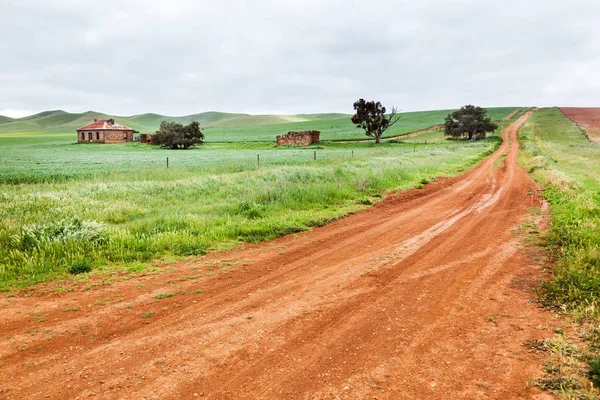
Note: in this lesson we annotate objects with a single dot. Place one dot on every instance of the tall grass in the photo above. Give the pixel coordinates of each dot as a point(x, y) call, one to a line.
point(568, 166)
point(109, 213)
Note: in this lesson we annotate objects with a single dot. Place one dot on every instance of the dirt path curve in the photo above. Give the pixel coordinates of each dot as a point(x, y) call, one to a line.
point(423, 296)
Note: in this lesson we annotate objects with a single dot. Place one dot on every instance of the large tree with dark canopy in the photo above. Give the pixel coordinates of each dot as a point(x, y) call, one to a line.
point(371, 116)
point(178, 136)
point(470, 122)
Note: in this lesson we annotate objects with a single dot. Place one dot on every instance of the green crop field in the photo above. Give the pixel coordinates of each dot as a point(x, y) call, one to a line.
point(118, 206)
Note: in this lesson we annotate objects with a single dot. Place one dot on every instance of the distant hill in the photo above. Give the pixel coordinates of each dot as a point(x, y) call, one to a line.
point(58, 120)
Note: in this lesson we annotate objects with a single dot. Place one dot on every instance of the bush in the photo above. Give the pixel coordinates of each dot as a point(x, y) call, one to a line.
point(594, 371)
point(190, 248)
point(251, 210)
point(80, 268)
point(176, 136)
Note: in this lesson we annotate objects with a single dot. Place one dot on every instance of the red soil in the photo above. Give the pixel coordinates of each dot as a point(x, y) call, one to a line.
point(588, 120)
point(423, 296)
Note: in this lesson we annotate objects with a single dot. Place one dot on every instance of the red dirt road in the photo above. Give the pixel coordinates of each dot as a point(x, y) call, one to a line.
point(588, 119)
point(423, 296)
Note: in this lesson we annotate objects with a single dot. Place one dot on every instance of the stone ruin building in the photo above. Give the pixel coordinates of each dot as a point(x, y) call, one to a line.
point(104, 131)
point(303, 138)
point(146, 138)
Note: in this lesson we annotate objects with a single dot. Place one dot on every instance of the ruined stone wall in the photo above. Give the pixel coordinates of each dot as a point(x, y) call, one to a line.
point(303, 138)
point(146, 138)
point(116, 136)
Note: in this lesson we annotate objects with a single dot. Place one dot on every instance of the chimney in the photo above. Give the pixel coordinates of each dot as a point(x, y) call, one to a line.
point(95, 120)
point(110, 121)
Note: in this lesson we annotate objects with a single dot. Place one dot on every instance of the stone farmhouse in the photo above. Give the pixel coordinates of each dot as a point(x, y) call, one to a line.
point(104, 131)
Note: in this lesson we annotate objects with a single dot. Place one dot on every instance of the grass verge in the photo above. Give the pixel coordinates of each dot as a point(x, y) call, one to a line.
point(566, 164)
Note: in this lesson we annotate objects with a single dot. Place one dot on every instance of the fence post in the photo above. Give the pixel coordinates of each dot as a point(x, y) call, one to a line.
point(315, 155)
point(258, 160)
point(167, 162)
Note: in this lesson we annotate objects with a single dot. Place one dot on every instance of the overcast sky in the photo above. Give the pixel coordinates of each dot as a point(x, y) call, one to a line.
point(178, 57)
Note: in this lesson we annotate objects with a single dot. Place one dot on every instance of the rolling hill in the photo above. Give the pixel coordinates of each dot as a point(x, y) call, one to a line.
point(4, 119)
point(61, 121)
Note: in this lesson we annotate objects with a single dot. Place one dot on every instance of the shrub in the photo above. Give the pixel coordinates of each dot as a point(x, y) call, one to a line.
point(251, 210)
point(190, 248)
point(80, 268)
point(594, 371)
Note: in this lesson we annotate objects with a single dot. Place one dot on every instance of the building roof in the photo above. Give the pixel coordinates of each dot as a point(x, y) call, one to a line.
point(104, 124)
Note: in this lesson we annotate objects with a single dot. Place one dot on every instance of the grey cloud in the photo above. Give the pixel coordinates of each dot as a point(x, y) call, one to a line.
point(177, 57)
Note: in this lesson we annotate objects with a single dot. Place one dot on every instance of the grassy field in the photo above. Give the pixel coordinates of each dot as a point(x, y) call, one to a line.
point(568, 166)
point(223, 127)
point(40, 159)
point(127, 216)
point(50, 155)
point(118, 206)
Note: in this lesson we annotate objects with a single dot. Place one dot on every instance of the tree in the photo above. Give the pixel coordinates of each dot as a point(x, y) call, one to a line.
point(371, 117)
point(177, 136)
point(469, 121)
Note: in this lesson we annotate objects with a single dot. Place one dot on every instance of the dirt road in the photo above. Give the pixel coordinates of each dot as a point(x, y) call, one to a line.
point(423, 296)
point(588, 119)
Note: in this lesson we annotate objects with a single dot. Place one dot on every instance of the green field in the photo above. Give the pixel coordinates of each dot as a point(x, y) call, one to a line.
point(224, 127)
point(50, 155)
point(118, 206)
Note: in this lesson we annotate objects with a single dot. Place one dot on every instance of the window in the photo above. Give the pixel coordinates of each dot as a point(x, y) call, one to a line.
point(90, 133)
point(97, 135)
point(82, 135)
point(124, 135)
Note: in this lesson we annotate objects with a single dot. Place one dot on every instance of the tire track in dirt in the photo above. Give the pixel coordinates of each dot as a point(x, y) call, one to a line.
point(417, 297)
